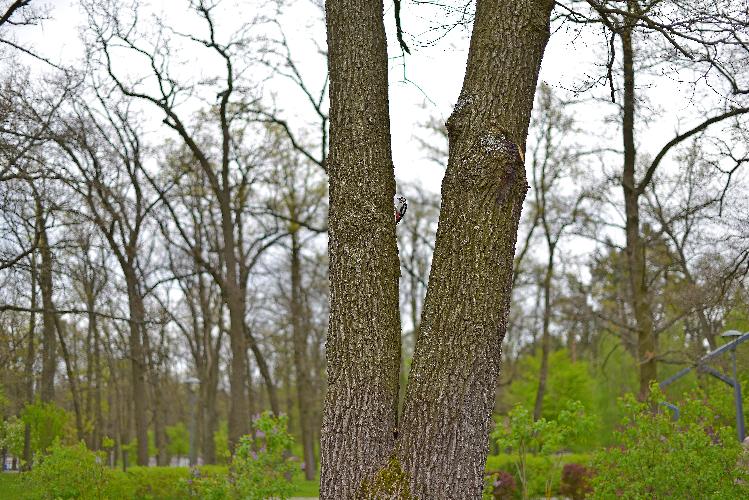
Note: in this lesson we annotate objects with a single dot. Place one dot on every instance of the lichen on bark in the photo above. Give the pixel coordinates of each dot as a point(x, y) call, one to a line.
point(389, 483)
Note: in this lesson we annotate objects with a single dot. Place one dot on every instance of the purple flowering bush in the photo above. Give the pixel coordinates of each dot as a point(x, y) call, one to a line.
point(576, 481)
point(504, 486)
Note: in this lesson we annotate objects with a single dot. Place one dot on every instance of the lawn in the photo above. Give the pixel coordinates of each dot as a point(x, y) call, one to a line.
point(156, 483)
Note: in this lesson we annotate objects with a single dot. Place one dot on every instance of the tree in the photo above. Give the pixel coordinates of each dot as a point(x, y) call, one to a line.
point(227, 169)
point(707, 38)
point(439, 447)
point(553, 158)
point(105, 168)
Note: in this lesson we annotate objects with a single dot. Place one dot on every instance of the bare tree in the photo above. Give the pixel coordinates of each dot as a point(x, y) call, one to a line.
point(228, 178)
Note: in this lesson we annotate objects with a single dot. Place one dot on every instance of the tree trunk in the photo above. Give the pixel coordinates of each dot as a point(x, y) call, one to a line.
point(210, 421)
point(264, 369)
point(442, 444)
point(90, 412)
point(49, 341)
point(363, 345)
point(546, 337)
point(99, 382)
point(138, 365)
point(72, 378)
point(304, 388)
point(29, 366)
point(646, 345)
point(238, 421)
point(450, 397)
point(159, 421)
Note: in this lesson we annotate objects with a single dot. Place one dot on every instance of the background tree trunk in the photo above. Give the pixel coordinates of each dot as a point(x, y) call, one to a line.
point(49, 341)
point(304, 388)
point(29, 365)
point(545, 337)
point(646, 345)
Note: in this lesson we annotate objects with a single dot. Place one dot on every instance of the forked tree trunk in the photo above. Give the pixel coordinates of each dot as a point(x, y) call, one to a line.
point(363, 345)
point(442, 446)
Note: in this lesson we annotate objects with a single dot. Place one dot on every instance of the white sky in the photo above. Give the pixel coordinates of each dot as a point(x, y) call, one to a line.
point(435, 72)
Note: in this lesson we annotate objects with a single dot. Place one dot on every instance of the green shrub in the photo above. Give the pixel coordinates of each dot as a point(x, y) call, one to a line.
point(69, 472)
point(658, 457)
point(539, 470)
point(47, 422)
point(178, 439)
point(262, 466)
point(221, 441)
point(546, 438)
point(12, 435)
point(159, 482)
point(206, 487)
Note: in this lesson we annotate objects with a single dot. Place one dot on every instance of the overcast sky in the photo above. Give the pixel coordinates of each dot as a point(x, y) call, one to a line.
point(423, 84)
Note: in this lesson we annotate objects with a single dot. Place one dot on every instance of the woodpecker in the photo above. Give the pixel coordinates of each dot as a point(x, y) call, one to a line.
point(399, 201)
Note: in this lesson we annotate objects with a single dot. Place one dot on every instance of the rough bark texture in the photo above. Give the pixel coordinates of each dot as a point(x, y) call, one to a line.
point(646, 345)
point(363, 346)
point(451, 390)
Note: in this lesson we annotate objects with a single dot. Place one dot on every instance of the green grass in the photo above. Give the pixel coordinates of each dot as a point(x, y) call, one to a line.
point(155, 483)
point(11, 485)
point(307, 488)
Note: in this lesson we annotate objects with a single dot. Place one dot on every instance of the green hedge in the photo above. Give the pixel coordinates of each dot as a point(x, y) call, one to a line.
point(156, 482)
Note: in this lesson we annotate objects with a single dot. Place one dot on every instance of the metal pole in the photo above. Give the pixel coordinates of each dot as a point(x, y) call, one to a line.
point(193, 425)
point(737, 399)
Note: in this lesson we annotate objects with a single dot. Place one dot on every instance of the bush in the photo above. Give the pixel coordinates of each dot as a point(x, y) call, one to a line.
point(576, 481)
point(69, 472)
point(539, 470)
point(547, 438)
point(658, 457)
point(160, 482)
point(262, 466)
point(48, 423)
point(503, 485)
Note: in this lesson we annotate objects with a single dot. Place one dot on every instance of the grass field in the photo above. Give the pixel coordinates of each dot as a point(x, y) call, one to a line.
point(12, 486)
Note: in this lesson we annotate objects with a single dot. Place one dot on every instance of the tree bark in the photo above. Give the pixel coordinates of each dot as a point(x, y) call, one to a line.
point(451, 390)
point(442, 444)
point(72, 378)
point(646, 343)
point(363, 345)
